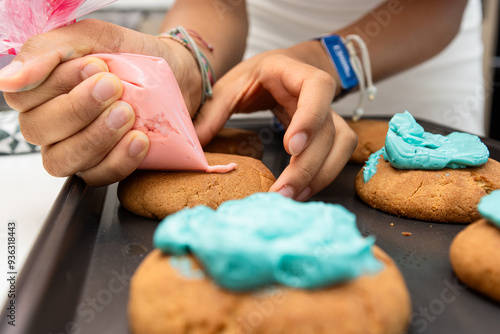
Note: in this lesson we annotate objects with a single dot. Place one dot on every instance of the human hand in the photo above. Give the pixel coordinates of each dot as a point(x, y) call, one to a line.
point(70, 105)
point(319, 141)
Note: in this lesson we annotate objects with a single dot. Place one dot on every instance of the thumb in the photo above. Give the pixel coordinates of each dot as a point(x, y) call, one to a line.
point(42, 53)
point(28, 71)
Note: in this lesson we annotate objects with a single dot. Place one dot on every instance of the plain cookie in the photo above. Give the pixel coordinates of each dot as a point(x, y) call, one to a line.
point(475, 257)
point(156, 194)
point(447, 195)
point(236, 141)
point(371, 137)
point(164, 299)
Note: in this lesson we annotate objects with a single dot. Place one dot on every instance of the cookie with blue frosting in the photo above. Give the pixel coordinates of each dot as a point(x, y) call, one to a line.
point(267, 264)
point(426, 176)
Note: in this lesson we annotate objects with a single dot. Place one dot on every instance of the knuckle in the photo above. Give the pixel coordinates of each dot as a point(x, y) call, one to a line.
point(82, 113)
point(54, 166)
point(110, 36)
point(324, 79)
point(36, 43)
point(93, 143)
point(15, 101)
point(304, 173)
point(31, 131)
point(351, 137)
point(119, 170)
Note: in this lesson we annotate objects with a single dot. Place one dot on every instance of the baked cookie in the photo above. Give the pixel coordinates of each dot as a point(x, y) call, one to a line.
point(371, 137)
point(446, 195)
point(266, 264)
point(428, 176)
point(474, 257)
point(474, 252)
point(163, 299)
point(236, 141)
point(156, 194)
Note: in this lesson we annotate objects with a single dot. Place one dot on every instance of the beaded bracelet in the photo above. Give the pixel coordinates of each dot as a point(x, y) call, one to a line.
point(182, 36)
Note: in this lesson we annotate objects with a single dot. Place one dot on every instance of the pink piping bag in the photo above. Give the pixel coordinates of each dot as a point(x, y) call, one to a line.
point(21, 19)
point(150, 87)
point(149, 83)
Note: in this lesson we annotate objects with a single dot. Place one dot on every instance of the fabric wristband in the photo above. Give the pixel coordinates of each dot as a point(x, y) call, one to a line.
point(339, 56)
point(182, 36)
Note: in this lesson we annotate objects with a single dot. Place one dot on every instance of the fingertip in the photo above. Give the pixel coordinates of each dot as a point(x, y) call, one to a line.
point(11, 69)
point(95, 65)
point(9, 74)
point(305, 194)
point(283, 189)
point(297, 143)
point(139, 144)
point(26, 72)
point(107, 87)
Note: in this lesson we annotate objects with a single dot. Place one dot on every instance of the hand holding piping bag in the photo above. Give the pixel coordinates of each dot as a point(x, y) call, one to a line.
point(84, 115)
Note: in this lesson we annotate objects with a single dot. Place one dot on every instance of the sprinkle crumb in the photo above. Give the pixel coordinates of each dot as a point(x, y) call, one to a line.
point(406, 234)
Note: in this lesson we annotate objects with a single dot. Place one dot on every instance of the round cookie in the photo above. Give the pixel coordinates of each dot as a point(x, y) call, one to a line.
point(474, 257)
point(166, 300)
point(447, 195)
point(236, 141)
point(371, 137)
point(156, 194)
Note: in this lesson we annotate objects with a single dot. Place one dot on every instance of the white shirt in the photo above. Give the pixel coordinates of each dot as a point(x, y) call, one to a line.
point(447, 89)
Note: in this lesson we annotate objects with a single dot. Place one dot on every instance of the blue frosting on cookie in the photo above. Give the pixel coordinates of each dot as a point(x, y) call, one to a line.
point(408, 146)
point(489, 208)
point(266, 239)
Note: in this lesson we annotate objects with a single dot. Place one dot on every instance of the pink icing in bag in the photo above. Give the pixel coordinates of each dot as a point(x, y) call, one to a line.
point(149, 83)
point(151, 89)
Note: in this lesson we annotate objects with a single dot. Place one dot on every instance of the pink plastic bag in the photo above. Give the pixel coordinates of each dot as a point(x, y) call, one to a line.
point(149, 83)
point(21, 19)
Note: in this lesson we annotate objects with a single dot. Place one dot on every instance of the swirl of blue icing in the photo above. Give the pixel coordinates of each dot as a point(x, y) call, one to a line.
point(408, 146)
point(488, 207)
point(266, 239)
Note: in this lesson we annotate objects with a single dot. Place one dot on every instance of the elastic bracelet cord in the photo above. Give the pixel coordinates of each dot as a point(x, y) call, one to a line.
point(182, 36)
point(351, 70)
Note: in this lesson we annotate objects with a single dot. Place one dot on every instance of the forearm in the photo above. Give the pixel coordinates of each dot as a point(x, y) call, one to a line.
point(222, 23)
point(398, 35)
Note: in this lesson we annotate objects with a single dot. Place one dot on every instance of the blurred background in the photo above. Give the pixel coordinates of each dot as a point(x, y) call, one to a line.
point(146, 16)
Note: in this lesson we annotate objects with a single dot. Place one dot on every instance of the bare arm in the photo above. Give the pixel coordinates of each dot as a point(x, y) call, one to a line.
point(222, 23)
point(295, 84)
point(398, 34)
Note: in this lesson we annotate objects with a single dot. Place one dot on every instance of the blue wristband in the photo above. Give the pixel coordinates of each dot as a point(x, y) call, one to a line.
point(339, 56)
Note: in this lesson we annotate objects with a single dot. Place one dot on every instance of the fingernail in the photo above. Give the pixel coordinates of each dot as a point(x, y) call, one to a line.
point(11, 69)
point(119, 116)
point(297, 143)
point(93, 68)
point(105, 88)
point(304, 194)
point(138, 144)
point(287, 191)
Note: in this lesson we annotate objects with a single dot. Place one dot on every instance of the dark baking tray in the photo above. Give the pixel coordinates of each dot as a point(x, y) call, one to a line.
point(76, 278)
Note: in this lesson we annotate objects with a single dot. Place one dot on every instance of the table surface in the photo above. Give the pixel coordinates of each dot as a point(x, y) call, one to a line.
point(90, 246)
point(27, 193)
